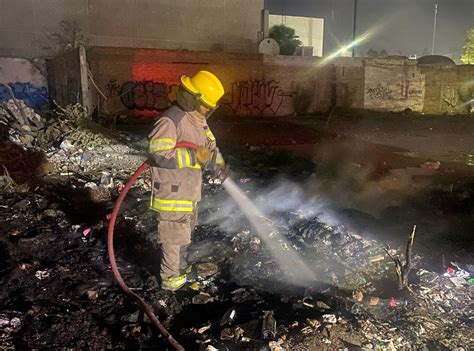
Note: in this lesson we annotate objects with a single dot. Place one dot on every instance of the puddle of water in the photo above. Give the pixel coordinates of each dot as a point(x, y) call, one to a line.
point(467, 159)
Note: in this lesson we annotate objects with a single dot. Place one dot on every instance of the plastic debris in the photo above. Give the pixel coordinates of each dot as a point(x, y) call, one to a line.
point(458, 281)
point(204, 329)
point(66, 145)
point(206, 269)
point(373, 301)
point(42, 275)
point(276, 345)
point(92, 295)
point(233, 334)
point(377, 258)
point(313, 323)
point(229, 317)
point(358, 296)
point(268, 326)
point(393, 303)
point(329, 318)
point(202, 298)
point(434, 165)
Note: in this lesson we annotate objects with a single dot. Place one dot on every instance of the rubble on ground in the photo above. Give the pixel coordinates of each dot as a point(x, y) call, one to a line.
point(58, 290)
point(69, 125)
point(70, 139)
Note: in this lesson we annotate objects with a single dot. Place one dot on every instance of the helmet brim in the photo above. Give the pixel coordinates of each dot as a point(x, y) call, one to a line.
point(188, 85)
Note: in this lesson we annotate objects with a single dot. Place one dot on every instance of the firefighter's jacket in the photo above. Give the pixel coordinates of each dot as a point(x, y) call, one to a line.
point(176, 175)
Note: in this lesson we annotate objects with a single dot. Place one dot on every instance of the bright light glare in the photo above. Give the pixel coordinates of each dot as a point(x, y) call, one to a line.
point(359, 40)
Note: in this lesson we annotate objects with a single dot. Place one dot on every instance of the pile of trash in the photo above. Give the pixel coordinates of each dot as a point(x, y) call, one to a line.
point(20, 123)
point(68, 139)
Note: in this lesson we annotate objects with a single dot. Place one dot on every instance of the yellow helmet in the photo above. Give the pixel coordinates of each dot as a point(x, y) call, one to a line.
point(205, 86)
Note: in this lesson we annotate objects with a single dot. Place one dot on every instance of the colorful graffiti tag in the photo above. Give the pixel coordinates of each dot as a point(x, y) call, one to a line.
point(256, 98)
point(143, 95)
point(33, 96)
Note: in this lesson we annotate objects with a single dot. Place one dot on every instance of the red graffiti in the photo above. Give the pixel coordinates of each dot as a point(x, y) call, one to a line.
point(147, 95)
point(255, 98)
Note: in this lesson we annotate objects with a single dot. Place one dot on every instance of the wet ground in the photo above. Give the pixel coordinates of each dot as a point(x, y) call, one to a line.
point(337, 213)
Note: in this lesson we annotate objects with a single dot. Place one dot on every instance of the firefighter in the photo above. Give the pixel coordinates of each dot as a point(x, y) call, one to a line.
point(177, 172)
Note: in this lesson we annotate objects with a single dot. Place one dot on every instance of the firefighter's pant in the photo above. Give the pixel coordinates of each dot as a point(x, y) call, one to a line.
point(174, 234)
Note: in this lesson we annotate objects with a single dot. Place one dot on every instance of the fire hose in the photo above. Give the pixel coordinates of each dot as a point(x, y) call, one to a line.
point(110, 247)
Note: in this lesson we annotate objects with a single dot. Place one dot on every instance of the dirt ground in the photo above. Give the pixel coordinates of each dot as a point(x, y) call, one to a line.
point(338, 189)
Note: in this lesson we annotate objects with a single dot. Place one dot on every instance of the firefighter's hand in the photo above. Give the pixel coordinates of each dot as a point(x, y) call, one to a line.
point(221, 174)
point(203, 155)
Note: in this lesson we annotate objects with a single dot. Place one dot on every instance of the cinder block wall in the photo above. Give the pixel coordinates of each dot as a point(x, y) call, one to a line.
point(143, 82)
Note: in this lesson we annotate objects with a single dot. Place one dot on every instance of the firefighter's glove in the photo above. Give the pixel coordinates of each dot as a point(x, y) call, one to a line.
point(203, 155)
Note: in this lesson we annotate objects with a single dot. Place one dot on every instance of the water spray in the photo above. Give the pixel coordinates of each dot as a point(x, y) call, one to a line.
point(284, 254)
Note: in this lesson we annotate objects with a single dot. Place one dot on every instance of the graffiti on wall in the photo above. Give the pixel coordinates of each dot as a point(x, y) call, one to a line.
point(408, 92)
point(380, 93)
point(450, 96)
point(112, 88)
point(33, 96)
point(143, 95)
point(245, 98)
point(256, 98)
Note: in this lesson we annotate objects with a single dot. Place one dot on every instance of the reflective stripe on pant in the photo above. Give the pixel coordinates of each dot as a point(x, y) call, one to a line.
point(162, 205)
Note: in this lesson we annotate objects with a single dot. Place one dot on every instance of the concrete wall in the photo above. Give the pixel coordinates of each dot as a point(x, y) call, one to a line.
point(26, 80)
point(65, 78)
point(26, 26)
point(393, 85)
point(143, 82)
point(448, 89)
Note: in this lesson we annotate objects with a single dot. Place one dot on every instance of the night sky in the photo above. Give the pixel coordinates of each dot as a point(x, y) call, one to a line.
point(407, 24)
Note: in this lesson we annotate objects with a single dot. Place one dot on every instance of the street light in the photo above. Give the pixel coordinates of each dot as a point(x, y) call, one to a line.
point(354, 27)
point(434, 28)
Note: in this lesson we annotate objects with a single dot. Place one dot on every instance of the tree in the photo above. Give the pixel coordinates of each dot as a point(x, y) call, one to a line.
point(372, 53)
point(70, 36)
point(383, 53)
point(286, 38)
point(468, 56)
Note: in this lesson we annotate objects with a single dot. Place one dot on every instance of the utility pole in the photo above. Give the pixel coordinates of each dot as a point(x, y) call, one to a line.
point(434, 28)
point(354, 28)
